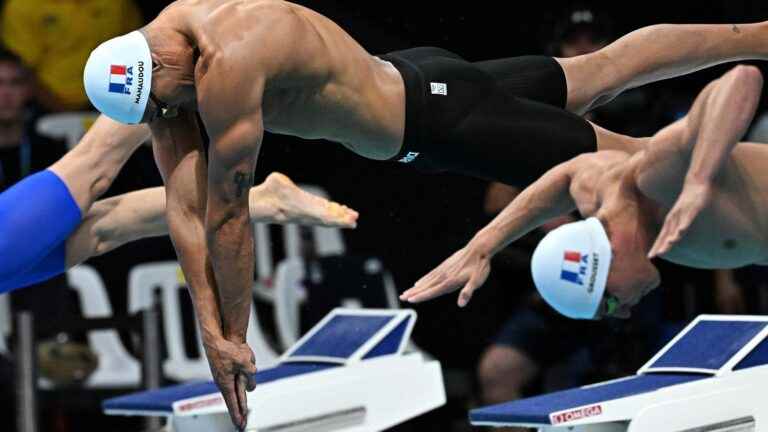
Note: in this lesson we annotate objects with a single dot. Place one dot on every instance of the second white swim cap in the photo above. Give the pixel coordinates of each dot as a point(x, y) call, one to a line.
point(118, 77)
point(570, 267)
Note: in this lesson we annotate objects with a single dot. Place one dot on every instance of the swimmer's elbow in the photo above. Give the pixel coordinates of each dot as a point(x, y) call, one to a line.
point(227, 220)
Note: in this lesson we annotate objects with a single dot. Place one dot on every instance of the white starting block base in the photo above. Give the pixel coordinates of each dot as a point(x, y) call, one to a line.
point(712, 377)
point(348, 373)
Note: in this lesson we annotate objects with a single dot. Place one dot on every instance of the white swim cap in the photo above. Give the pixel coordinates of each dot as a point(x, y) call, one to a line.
point(118, 77)
point(570, 267)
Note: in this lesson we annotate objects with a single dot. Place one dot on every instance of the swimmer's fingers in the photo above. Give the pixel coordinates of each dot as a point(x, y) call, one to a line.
point(241, 385)
point(476, 281)
point(665, 238)
point(433, 287)
point(679, 220)
point(464, 269)
point(229, 392)
point(420, 286)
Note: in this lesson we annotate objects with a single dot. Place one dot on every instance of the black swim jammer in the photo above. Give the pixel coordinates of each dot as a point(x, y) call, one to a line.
point(501, 120)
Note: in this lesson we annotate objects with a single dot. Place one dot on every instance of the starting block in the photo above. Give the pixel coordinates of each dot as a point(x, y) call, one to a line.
point(711, 377)
point(348, 373)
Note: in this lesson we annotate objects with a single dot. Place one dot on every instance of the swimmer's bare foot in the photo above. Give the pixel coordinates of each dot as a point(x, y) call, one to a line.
point(279, 200)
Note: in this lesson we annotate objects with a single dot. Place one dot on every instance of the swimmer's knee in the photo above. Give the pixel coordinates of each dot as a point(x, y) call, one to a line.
point(507, 367)
point(593, 80)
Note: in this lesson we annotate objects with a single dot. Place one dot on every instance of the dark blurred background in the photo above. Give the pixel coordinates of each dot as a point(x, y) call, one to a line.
point(506, 343)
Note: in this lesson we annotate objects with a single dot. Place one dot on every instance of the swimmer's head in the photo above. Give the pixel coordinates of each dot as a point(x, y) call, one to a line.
point(583, 273)
point(118, 77)
point(154, 75)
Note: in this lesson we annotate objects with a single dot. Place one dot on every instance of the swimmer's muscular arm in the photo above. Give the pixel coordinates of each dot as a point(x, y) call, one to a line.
point(545, 199)
point(711, 130)
point(231, 111)
point(230, 108)
point(181, 159)
point(180, 156)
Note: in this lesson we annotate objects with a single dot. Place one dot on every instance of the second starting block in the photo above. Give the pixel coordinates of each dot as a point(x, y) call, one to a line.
point(712, 377)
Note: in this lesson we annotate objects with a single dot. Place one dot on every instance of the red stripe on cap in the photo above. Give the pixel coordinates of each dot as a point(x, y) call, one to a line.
point(572, 256)
point(117, 70)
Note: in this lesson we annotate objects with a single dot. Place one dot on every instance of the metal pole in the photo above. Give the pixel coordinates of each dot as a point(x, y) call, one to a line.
point(151, 368)
point(26, 374)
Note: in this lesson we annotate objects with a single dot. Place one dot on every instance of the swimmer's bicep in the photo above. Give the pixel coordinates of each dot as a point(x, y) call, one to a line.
point(232, 160)
point(230, 108)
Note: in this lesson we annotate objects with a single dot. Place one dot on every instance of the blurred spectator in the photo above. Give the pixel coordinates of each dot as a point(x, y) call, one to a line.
point(55, 37)
point(23, 152)
point(582, 31)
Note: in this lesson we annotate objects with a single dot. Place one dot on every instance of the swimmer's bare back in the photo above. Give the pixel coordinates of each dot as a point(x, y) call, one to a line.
point(298, 70)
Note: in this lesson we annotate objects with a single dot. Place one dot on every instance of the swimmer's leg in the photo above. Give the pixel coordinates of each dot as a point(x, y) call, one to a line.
point(89, 169)
point(655, 53)
point(115, 221)
point(39, 213)
point(36, 215)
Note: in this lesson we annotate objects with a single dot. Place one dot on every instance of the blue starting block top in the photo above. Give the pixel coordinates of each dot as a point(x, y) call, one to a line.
point(161, 401)
point(351, 336)
point(345, 336)
point(711, 345)
point(537, 410)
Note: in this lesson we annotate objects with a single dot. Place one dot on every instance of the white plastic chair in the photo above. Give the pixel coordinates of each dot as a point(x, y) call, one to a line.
point(328, 241)
point(70, 126)
point(290, 273)
point(168, 278)
point(117, 368)
point(5, 322)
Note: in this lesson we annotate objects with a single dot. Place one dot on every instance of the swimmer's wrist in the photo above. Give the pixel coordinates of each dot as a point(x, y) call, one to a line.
point(483, 244)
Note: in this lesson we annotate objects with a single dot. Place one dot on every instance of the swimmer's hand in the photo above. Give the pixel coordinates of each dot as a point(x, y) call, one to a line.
point(692, 200)
point(467, 270)
point(233, 366)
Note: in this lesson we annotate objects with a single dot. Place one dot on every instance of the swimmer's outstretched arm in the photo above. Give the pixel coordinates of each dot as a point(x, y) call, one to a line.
point(692, 152)
point(236, 129)
point(115, 221)
point(468, 268)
